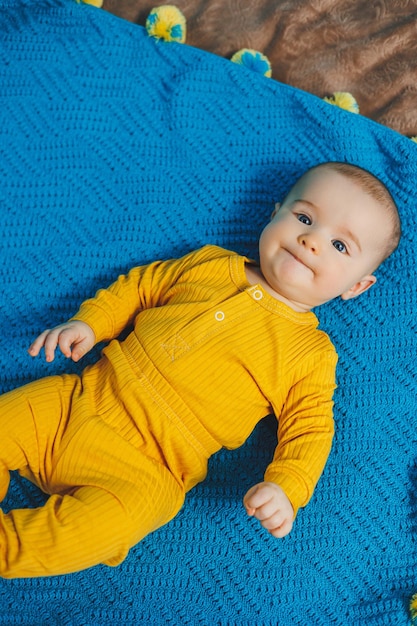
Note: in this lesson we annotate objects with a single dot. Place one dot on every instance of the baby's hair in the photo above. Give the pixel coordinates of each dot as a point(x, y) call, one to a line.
point(374, 187)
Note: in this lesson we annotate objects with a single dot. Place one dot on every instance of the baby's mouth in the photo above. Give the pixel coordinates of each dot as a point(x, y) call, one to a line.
point(297, 258)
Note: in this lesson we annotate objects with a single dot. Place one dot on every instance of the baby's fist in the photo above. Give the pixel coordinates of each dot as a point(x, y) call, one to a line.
point(269, 504)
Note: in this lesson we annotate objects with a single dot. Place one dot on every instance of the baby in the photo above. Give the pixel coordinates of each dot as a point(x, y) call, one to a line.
point(216, 343)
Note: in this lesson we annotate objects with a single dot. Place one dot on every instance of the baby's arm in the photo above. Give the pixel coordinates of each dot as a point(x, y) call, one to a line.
point(268, 503)
point(75, 339)
point(305, 433)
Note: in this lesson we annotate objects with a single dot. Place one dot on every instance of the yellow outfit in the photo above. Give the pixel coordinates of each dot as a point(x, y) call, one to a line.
point(117, 447)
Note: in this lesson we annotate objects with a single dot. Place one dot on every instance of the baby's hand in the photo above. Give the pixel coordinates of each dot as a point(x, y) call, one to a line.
point(269, 504)
point(74, 338)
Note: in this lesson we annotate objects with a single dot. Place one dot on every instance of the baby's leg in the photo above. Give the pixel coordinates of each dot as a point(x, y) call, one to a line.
point(108, 496)
point(33, 419)
point(81, 529)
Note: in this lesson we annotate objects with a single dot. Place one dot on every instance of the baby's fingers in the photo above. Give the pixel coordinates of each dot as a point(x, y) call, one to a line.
point(268, 503)
point(74, 339)
point(38, 344)
point(80, 348)
point(48, 340)
point(267, 511)
point(50, 344)
point(66, 340)
point(255, 498)
point(282, 530)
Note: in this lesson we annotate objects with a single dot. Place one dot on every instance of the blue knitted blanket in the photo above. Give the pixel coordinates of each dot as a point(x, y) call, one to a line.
point(116, 150)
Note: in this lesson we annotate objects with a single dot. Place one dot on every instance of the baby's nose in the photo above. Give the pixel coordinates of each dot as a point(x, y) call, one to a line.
point(309, 241)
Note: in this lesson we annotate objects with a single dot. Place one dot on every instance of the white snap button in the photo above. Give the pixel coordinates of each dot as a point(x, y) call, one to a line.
point(219, 316)
point(257, 294)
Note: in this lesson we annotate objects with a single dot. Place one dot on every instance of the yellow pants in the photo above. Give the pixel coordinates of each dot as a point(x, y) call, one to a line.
point(104, 469)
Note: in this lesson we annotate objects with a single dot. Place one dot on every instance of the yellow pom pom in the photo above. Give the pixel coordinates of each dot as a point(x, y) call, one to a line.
point(94, 3)
point(413, 610)
point(414, 138)
point(344, 100)
point(168, 23)
point(253, 60)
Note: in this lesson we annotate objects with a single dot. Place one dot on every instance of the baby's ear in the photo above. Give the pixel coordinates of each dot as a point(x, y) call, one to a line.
point(360, 287)
point(276, 209)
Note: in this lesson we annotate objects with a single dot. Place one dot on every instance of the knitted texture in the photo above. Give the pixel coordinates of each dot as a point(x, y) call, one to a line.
point(116, 150)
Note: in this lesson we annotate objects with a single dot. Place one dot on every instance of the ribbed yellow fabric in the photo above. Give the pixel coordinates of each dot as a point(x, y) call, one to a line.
point(225, 354)
point(73, 438)
point(117, 448)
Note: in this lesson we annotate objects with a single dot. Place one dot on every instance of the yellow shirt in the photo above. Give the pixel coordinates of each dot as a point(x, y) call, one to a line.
point(226, 354)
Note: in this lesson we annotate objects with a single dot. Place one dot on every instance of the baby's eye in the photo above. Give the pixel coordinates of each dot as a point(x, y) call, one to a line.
point(304, 219)
point(339, 245)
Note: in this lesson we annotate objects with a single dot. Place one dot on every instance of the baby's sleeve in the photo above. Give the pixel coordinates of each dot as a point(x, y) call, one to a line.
point(305, 429)
point(111, 310)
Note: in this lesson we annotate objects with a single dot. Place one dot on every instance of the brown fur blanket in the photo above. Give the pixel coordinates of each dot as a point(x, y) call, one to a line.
point(321, 46)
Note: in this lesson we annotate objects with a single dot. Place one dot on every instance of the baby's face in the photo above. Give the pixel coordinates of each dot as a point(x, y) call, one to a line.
point(324, 241)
